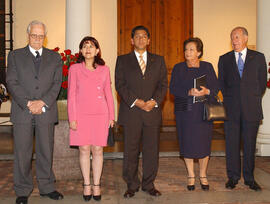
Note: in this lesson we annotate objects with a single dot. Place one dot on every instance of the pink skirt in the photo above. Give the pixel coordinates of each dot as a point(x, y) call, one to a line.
point(91, 130)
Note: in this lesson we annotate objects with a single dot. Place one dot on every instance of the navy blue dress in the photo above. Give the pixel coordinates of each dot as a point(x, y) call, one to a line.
point(194, 134)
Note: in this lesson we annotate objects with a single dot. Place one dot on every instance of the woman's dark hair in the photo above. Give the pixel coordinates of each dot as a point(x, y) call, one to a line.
point(198, 43)
point(98, 60)
point(140, 27)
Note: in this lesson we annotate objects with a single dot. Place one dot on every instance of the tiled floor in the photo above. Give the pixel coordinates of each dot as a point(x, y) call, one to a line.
point(171, 181)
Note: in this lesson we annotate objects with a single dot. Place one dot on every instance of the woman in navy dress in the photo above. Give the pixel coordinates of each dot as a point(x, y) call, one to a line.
point(193, 132)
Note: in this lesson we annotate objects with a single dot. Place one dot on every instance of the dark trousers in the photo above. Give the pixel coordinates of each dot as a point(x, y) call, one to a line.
point(234, 131)
point(134, 134)
point(23, 148)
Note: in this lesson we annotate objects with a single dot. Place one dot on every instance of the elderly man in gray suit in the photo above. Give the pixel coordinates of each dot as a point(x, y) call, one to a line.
point(34, 80)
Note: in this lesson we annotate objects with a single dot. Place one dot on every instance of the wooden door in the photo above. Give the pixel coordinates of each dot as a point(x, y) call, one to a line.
point(170, 22)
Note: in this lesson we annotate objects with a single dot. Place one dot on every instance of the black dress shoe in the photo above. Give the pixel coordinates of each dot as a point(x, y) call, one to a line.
point(231, 184)
point(97, 197)
point(86, 198)
point(153, 192)
point(253, 185)
point(191, 187)
point(204, 187)
point(55, 195)
point(22, 200)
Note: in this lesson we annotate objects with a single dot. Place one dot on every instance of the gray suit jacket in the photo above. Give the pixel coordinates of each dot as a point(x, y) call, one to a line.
point(24, 84)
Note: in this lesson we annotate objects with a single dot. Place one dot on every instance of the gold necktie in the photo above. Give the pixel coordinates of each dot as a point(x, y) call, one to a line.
point(142, 64)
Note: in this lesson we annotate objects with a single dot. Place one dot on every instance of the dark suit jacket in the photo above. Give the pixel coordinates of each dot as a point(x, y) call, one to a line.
point(243, 94)
point(131, 84)
point(24, 84)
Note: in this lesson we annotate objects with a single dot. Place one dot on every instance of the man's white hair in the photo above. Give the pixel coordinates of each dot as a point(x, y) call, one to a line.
point(35, 22)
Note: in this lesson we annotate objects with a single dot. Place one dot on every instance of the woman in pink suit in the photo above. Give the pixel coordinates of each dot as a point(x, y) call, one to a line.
point(90, 111)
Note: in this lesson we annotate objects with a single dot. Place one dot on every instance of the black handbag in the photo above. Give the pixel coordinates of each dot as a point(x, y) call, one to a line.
point(110, 141)
point(214, 111)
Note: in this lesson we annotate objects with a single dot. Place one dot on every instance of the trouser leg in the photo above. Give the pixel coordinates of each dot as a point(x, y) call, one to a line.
point(44, 157)
point(150, 154)
point(249, 134)
point(233, 160)
point(132, 137)
point(23, 150)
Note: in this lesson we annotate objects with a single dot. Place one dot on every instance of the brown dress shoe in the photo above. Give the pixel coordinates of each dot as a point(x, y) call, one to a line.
point(153, 192)
point(130, 193)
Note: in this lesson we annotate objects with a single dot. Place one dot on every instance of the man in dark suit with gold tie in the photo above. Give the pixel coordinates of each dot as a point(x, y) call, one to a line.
point(242, 76)
point(141, 82)
point(34, 79)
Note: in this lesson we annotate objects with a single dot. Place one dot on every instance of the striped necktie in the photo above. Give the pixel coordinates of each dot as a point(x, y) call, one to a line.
point(142, 64)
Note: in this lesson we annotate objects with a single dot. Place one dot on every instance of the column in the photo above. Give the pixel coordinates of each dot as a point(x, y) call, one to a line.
point(78, 22)
point(263, 45)
point(66, 163)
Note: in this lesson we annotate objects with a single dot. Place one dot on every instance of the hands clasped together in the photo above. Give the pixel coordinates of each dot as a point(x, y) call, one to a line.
point(196, 92)
point(146, 106)
point(35, 107)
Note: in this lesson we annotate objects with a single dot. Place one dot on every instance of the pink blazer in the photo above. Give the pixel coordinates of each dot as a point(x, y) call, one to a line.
point(89, 92)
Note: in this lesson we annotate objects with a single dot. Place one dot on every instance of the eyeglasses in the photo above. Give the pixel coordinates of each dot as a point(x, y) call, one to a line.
point(35, 36)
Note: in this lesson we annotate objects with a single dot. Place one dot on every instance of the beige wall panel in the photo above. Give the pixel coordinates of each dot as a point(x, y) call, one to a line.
point(214, 20)
point(104, 29)
point(50, 12)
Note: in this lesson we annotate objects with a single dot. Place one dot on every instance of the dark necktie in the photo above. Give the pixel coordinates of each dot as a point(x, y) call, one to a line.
point(240, 64)
point(38, 55)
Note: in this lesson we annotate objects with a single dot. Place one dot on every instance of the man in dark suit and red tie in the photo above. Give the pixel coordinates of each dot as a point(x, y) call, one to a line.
point(141, 82)
point(34, 79)
point(242, 76)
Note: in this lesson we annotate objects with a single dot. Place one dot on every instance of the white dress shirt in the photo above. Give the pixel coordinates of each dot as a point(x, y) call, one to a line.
point(244, 54)
point(33, 51)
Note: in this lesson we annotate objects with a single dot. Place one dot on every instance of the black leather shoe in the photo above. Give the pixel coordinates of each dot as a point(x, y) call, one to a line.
point(231, 184)
point(153, 192)
point(191, 187)
point(22, 200)
point(87, 198)
point(253, 185)
point(97, 197)
point(204, 187)
point(55, 195)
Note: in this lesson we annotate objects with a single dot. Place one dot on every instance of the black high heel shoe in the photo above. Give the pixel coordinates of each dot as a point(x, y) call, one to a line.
point(97, 197)
point(191, 187)
point(204, 187)
point(87, 197)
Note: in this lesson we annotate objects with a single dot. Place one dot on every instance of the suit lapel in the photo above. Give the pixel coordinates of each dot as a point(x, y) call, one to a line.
point(135, 63)
point(234, 65)
point(249, 57)
point(44, 60)
point(29, 60)
point(150, 60)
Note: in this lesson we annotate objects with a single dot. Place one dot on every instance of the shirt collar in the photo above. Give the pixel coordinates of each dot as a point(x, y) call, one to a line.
point(33, 51)
point(138, 54)
point(244, 52)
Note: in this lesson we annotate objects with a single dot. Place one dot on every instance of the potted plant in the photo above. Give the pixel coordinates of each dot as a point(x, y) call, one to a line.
point(67, 60)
